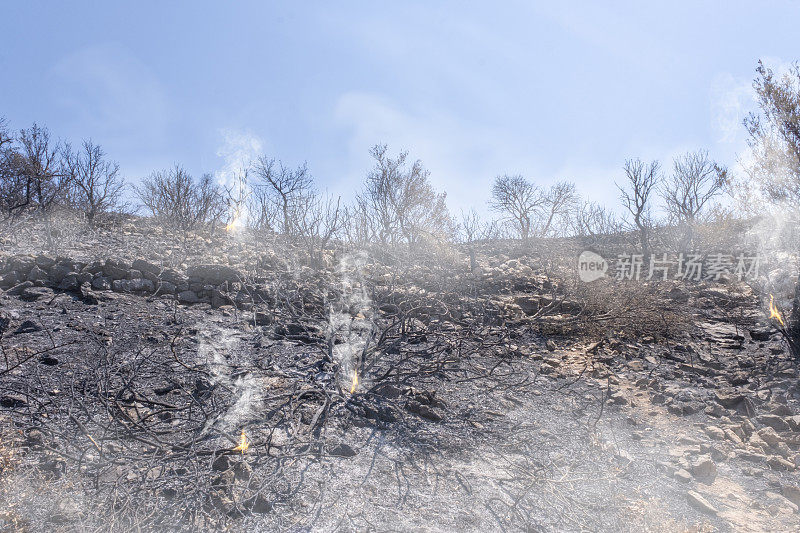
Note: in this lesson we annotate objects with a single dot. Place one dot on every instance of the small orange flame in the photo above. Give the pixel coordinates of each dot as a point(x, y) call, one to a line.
point(244, 444)
point(774, 313)
point(354, 385)
point(236, 221)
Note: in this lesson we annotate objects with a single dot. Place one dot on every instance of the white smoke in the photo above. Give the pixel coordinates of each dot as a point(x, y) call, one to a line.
point(350, 319)
point(238, 151)
point(216, 346)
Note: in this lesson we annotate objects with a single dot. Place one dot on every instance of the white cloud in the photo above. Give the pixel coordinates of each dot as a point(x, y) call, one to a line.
point(463, 158)
point(112, 94)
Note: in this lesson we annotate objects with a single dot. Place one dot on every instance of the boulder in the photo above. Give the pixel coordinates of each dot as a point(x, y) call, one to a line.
point(116, 269)
point(70, 282)
point(146, 268)
point(59, 272)
point(773, 421)
point(101, 283)
point(37, 275)
point(214, 274)
point(188, 297)
point(700, 503)
point(704, 469)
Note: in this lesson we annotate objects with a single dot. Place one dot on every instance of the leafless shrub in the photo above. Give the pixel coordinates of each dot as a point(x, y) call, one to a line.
point(628, 309)
point(531, 210)
point(473, 228)
point(517, 199)
point(237, 198)
point(316, 219)
point(641, 181)
point(358, 228)
point(279, 188)
point(593, 221)
point(96, 183)
point(400, 204)
point(695, 181)
point(176, 199)
point(33, 175)
point(775, 135)
point(775, 153)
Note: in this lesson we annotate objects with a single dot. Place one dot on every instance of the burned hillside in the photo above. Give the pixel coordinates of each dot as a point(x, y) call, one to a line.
point(153, 384)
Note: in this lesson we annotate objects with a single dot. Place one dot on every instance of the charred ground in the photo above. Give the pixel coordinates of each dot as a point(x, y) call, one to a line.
point(505, 397)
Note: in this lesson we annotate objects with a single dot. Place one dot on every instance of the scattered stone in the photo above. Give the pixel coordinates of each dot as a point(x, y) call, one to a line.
point(27, 326)
point(101, 283)
point(342, 450)
point(214, 274)
point(704, 469)
point(777, 462)
point(769, 435)
point(116, 269)
point(728, 400)
point(791, 493)
point(773, 421)
point(715, 432)
point(700, 503)
point(188, 297)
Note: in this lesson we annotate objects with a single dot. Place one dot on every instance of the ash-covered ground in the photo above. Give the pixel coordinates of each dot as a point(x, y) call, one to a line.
point(155, 382)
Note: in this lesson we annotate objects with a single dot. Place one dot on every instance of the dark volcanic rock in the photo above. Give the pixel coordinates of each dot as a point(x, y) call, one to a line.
point(342, 450)
point(188, 297)
point(116, 269)
point(28, 326)
point(761, 334)
point(214, 274)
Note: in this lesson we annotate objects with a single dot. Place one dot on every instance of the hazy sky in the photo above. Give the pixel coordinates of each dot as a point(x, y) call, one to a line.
point(552, 90)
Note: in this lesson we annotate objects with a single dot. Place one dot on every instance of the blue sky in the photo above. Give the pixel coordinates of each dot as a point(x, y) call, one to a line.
point(555, 90)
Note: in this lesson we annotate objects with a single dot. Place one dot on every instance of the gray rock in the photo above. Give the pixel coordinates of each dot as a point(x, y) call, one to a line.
point(101, 283)
point(701, 504)
point(214, 274)
point(94, 268)
point(165, 287)
point(769, 435)
point(173, 276)
point(141, 285)
point(774, 421)
point(22, 264)
point(59, 272)
point(120, 285)
point(342, 450)
point(44, 262)
point(116, 269)
point(715, 432)
point(70, 282)
point(143, 266)
point(791, 493)
point(9, 280)
point(17, 290)
point(37, 275)
point(188, 297)
point(704, 469)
